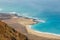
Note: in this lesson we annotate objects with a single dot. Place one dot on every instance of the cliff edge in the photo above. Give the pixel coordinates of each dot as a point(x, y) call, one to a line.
point(8, 33)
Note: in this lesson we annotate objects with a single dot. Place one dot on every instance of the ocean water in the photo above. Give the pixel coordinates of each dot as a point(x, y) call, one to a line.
point(51, 25)
point(47, 10)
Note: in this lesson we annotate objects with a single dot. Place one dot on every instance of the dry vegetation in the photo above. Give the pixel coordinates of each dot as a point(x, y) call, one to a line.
point(8, 33)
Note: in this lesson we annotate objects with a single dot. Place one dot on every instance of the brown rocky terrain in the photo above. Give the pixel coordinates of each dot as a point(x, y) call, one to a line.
point(8, 33)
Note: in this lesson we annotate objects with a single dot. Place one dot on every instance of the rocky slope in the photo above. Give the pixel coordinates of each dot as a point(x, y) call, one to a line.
point(8, 33)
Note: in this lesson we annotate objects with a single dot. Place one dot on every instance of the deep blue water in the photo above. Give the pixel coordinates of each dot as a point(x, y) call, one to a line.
point(47, 10)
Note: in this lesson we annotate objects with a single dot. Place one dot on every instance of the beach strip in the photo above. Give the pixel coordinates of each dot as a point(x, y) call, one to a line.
point(42, 34)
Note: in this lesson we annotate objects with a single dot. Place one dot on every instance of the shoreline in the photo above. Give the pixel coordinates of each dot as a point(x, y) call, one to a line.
point(37, 20)
point(43, 32)
point(28, 22)
point(34, 20)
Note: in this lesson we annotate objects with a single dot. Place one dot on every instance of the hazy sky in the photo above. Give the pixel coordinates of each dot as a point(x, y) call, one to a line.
point(40, 5)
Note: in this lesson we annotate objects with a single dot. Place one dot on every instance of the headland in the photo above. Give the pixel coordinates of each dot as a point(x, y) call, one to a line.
point(22, 25)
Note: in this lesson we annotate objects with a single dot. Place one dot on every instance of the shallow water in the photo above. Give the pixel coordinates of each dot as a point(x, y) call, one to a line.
point(52, 24)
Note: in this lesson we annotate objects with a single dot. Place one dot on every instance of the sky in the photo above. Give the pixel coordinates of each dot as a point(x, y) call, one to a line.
point(37, 5)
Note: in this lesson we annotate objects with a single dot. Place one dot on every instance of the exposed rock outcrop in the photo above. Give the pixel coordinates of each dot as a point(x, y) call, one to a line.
point(8, 33)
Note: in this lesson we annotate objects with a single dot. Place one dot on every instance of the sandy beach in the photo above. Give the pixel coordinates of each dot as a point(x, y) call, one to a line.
point(22, 25)
point(41, 34)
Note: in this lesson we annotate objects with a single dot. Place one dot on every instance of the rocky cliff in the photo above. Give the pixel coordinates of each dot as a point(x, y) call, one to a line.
point(8, 33)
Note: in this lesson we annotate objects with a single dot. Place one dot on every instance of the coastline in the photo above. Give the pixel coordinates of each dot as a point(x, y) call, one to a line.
point(26, 29)
point(43, 32)
point(37, 20)
point(34, 20)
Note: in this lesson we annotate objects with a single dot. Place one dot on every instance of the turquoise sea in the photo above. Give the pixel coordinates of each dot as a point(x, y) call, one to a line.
point(47, 10)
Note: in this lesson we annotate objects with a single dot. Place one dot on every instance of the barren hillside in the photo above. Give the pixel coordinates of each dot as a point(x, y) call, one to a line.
point(8, 33)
